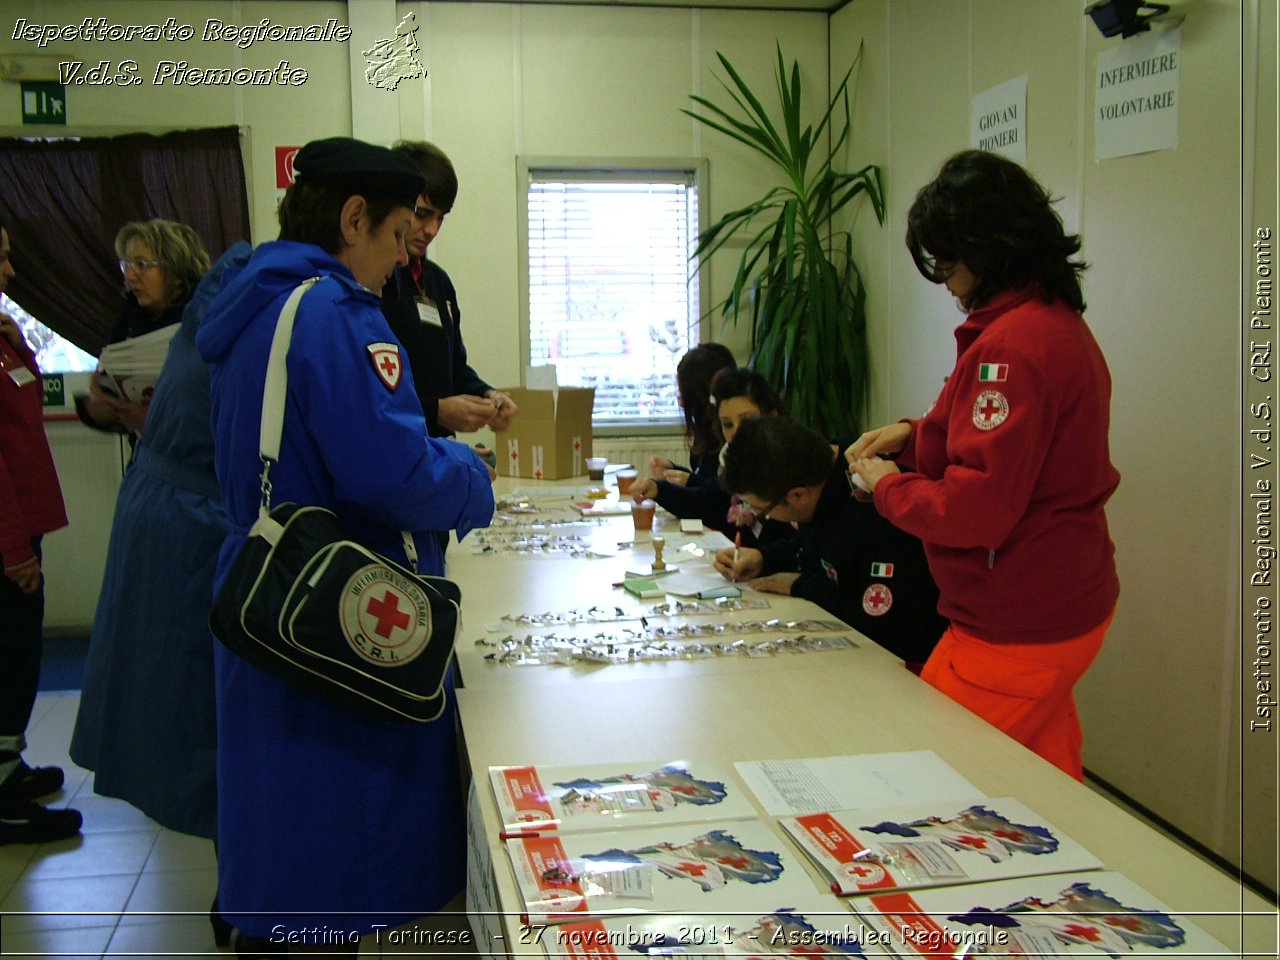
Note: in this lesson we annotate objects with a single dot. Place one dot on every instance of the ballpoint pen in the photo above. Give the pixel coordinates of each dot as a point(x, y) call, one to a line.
point(737, 549)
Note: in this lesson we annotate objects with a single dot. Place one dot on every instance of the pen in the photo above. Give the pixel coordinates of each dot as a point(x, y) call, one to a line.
point(737, 549)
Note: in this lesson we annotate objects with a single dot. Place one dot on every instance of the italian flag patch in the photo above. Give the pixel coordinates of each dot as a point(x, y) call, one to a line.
point(993, 372)
point(882, 569)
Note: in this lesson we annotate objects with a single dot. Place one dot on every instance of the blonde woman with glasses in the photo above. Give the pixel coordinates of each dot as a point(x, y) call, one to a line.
point(160, 262)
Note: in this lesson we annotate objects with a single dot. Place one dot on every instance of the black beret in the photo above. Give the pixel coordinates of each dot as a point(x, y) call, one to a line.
point(361, 167)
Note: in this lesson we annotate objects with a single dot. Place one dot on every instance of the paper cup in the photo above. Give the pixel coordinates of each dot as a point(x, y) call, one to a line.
point(642, 515)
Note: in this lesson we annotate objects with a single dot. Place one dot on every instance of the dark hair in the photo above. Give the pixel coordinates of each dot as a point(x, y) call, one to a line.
point(693, 380)
point(770, 456)
point(442, 182)
point(310, 212)
point(990, 213)
point(733, 382)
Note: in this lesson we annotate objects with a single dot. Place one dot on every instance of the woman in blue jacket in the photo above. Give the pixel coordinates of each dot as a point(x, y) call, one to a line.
point(329, 823)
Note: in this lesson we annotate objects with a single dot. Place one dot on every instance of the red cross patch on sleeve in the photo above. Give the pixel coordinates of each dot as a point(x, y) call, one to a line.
point(386, 363)
point(990, 410)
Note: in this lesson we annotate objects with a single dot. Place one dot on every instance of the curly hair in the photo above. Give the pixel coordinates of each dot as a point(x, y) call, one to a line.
point(179, 249)
point(693, 380)
point(990, 213)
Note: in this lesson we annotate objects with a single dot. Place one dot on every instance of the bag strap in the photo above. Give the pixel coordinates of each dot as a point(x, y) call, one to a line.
point(274, 390)
point(271, 429)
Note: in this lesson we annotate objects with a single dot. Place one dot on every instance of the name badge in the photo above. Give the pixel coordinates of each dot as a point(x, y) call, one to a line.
point(428, 313)
point(22, 376)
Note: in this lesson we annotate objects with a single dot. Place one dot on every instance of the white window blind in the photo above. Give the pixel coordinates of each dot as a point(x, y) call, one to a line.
point(613, 295)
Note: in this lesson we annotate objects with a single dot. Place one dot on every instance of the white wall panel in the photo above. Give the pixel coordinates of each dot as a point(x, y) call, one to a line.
point(1161, 231)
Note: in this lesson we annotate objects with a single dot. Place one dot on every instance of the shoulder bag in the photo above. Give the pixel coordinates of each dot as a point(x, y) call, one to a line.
point(306, 602)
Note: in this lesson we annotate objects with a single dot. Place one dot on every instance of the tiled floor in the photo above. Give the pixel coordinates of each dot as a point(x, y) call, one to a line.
point(125, 887)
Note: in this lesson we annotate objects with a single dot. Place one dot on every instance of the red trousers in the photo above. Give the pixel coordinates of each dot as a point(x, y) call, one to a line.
point(1023, 689)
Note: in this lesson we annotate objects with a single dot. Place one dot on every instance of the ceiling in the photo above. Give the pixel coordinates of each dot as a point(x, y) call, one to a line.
point(784, 6)
point(819, 6)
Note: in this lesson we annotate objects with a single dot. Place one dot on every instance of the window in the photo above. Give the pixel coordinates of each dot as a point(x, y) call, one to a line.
point(54, 354)
point(612, 297)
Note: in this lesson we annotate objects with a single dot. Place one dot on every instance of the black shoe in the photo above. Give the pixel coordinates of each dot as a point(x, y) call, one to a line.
point(256, 948)
point(23, 821)
point(222, 930)
point(32, 783)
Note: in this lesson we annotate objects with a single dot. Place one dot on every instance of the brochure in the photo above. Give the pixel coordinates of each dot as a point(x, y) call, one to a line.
point(579, 798)
point(708, 868)
point(1087, 915)
point(899, 848)
point(818, 927)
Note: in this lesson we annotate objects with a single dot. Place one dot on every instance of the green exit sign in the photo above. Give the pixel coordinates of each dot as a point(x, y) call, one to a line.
point(44, 103)
point(55, 390)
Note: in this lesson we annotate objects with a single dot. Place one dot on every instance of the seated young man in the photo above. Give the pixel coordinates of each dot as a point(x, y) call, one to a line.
point(847, 558)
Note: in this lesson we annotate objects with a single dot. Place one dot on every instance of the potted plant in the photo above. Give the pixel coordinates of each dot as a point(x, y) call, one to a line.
point(796, 280)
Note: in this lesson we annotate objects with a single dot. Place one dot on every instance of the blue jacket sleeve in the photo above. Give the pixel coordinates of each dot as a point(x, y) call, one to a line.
point(370, 430)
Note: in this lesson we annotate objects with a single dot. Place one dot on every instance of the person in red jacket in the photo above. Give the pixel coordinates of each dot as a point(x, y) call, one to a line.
point(30, 506)
point(1010, 467)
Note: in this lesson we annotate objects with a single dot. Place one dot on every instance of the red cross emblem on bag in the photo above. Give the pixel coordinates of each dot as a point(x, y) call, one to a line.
point(385, 617)
point(386, 363)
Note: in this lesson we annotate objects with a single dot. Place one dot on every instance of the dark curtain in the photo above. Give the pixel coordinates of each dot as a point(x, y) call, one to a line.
point(63, 201)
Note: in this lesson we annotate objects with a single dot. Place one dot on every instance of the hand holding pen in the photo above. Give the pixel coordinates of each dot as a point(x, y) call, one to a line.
point(739, 563)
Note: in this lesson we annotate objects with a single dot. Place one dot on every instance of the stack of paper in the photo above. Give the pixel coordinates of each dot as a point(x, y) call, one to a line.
point(788, 787)
point(133, 366)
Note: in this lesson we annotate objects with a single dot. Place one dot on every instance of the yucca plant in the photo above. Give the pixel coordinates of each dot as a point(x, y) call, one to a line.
point(796, 279)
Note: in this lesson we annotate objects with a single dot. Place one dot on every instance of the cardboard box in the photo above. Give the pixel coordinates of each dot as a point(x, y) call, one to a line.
point(550, 438)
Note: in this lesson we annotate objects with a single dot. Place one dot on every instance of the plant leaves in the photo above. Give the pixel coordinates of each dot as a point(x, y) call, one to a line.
point(796, 282)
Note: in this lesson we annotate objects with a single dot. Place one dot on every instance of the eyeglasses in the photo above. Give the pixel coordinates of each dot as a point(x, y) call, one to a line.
point(137, 266)
point(763, 515)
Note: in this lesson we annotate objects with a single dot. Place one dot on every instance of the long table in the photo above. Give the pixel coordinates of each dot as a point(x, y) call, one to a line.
point(852, 701)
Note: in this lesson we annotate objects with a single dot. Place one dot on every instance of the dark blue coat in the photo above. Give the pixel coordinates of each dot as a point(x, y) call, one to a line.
point(321, 810)
point(146, 720)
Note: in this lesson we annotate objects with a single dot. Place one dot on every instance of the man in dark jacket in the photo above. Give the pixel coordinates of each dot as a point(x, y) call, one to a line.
point(847, 559)
point(421, 306)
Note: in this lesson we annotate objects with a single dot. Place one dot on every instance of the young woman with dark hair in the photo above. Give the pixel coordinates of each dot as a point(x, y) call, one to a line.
point(736, 395)
point(694, 374)
point(1010, 468)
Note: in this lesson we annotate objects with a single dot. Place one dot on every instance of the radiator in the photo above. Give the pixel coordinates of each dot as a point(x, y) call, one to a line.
point(637, 450)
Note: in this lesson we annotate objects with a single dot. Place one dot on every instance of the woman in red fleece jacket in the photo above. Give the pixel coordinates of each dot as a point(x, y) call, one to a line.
point(30, 506)
point(1010, 468)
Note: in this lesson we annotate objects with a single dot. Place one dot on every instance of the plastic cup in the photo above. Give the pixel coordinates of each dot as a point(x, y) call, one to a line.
point(625, 479)
point(642, 515)
point(595, 467)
